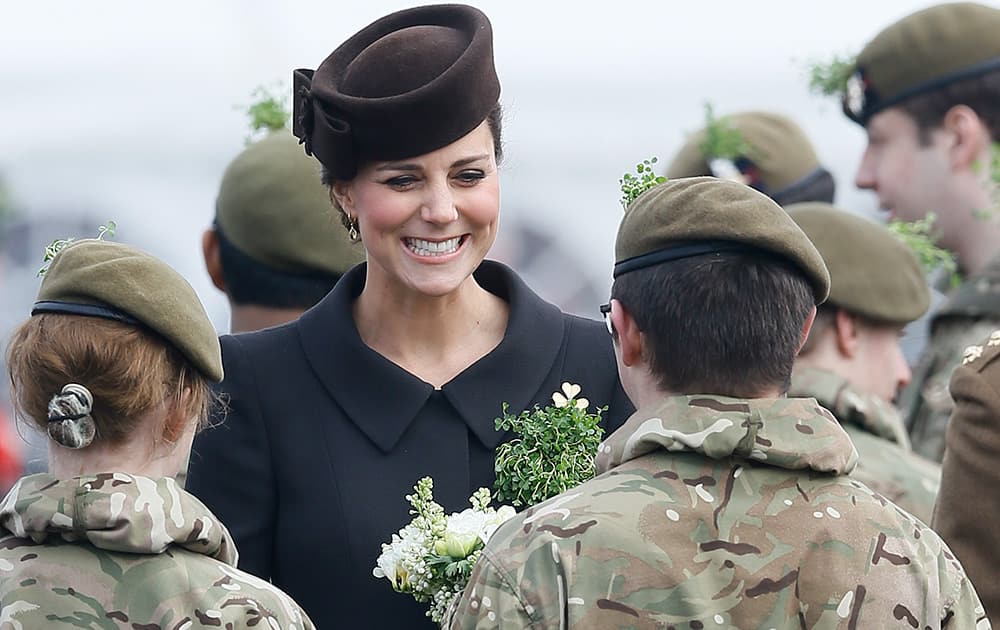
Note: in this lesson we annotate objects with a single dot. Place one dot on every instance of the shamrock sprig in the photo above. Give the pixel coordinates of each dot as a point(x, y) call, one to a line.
point(268, 111)
point(554, 449)
point(56, 246)
point(829, 78)
point(634, 185)
point(921, 238)
point(722, 139)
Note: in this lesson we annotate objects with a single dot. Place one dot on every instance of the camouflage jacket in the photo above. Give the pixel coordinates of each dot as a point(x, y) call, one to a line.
point(969, 315)
point(121, 551)
point(969, 506)
point(885, 463)
point(714, 512)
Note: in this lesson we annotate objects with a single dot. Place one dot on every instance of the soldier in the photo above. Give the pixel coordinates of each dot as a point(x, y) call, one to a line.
point(926, 91)
point(115, 366)
point(275, 248)
point(764, 150)
point(852, 363)
point(969, 505)
point(719, 503)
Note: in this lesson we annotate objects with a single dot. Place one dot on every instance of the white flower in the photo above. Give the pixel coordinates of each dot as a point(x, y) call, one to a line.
point(569, 392)
point(462, 533)
point(971, 354)
point(389, 563)
point(494, 521)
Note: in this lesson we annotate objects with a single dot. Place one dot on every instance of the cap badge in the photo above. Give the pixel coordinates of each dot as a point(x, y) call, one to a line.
point(855, 96)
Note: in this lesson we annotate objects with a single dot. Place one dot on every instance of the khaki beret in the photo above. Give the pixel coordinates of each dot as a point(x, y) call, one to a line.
point(273, 208)
point(406, 84)
point(700, 215)
point(106, 279)
point(922, 52)
point(872, 272)
point(779, 155)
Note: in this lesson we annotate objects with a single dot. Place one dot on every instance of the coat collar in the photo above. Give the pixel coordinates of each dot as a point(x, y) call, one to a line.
point(382, 399)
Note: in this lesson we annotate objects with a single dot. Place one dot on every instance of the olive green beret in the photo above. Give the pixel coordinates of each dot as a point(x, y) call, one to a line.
point(924, 51)
point(700, 215)
point(273, 208)
point(872, 272)
point(779, 155)
point(115, 281)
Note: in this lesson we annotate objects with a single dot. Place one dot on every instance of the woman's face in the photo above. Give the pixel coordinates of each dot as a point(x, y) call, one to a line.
point(427, 222)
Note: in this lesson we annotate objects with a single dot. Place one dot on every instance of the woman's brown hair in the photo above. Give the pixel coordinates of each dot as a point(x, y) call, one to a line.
point(130, 371)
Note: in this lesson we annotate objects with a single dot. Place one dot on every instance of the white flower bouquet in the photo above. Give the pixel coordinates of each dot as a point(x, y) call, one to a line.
point(432, 557)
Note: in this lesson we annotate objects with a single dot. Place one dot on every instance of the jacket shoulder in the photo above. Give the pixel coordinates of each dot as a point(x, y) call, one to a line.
point(983, 356)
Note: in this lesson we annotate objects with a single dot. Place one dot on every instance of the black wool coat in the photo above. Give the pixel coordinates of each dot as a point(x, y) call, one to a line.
point(324, 437)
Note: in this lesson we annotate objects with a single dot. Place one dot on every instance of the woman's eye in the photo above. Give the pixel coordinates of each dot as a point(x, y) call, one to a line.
point(471, 176)
point(401, 181)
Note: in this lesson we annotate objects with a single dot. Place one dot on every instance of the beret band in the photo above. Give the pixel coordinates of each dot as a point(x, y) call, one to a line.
point(88, 310)
point(677, 252)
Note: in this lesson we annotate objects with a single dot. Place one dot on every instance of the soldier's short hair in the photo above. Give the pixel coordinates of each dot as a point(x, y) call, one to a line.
point(980, 93)
point(722, 323)
point(249, 282)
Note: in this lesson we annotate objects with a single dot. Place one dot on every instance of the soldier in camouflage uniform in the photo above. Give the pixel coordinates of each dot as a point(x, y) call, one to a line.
point(729, 508)
point(852, 363)
point(969, 505)
point(115, 364)
point(926, 90)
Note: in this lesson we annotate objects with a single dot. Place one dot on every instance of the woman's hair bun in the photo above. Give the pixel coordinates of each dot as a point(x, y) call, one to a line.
point(70, 422)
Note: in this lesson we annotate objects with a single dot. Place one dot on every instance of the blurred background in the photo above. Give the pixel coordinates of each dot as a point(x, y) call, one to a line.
point(130, 111)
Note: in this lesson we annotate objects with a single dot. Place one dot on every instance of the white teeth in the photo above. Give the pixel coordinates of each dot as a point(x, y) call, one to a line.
point(420, 247)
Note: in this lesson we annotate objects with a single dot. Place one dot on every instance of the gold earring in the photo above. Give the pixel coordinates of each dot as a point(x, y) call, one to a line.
point(352, 230)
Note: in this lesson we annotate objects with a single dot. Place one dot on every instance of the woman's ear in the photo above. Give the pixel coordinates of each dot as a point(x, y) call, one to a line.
point(340, 195)
point(969, 137)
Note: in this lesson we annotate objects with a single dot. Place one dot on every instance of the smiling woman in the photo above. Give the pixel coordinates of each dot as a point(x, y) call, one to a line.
point(400, 372)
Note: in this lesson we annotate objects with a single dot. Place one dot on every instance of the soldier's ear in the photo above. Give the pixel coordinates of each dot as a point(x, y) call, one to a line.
point(627, 334)
point(806, 327)
point(213, 259)
point(968, 136)
point(847, 332)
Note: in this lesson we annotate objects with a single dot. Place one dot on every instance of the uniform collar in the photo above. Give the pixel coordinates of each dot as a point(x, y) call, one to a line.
point(850, 405)
point(382, 399)
point(790, 433)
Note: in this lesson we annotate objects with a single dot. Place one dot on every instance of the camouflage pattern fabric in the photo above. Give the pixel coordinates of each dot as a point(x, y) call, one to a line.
point(969, 315)
point(969, 505)
point(122, 551)
point(885, 462)
point(714, 512)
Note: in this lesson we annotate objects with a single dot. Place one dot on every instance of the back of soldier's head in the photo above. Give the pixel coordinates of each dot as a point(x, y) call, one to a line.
point(764, 150)
point(720, 281)
point(927, 63)
point(280, 244)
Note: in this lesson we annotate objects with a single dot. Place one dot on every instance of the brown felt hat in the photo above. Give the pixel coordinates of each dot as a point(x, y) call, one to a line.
point(703, 215)
point(780, 161)
point(924, 51)
point(872, 272)
point(99, 278)
point(407, 84)
point(273, 208)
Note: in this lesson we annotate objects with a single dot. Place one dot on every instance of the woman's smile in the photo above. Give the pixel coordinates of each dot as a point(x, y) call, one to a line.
point(434, 250)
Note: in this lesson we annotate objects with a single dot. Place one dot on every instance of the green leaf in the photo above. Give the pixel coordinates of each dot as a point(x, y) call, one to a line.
point(269, 109)
point(722, 140)
point(829, 78)
point(921, 238)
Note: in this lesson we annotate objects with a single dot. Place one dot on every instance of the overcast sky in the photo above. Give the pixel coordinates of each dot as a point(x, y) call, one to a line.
point(126, 109)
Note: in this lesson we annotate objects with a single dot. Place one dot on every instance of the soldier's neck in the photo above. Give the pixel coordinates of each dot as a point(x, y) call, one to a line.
point(145, 453)
point(249, 317)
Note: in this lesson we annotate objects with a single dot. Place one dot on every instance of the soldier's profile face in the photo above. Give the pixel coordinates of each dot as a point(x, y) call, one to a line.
point(910, 178)
point(427, 222)
point(880, 367)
